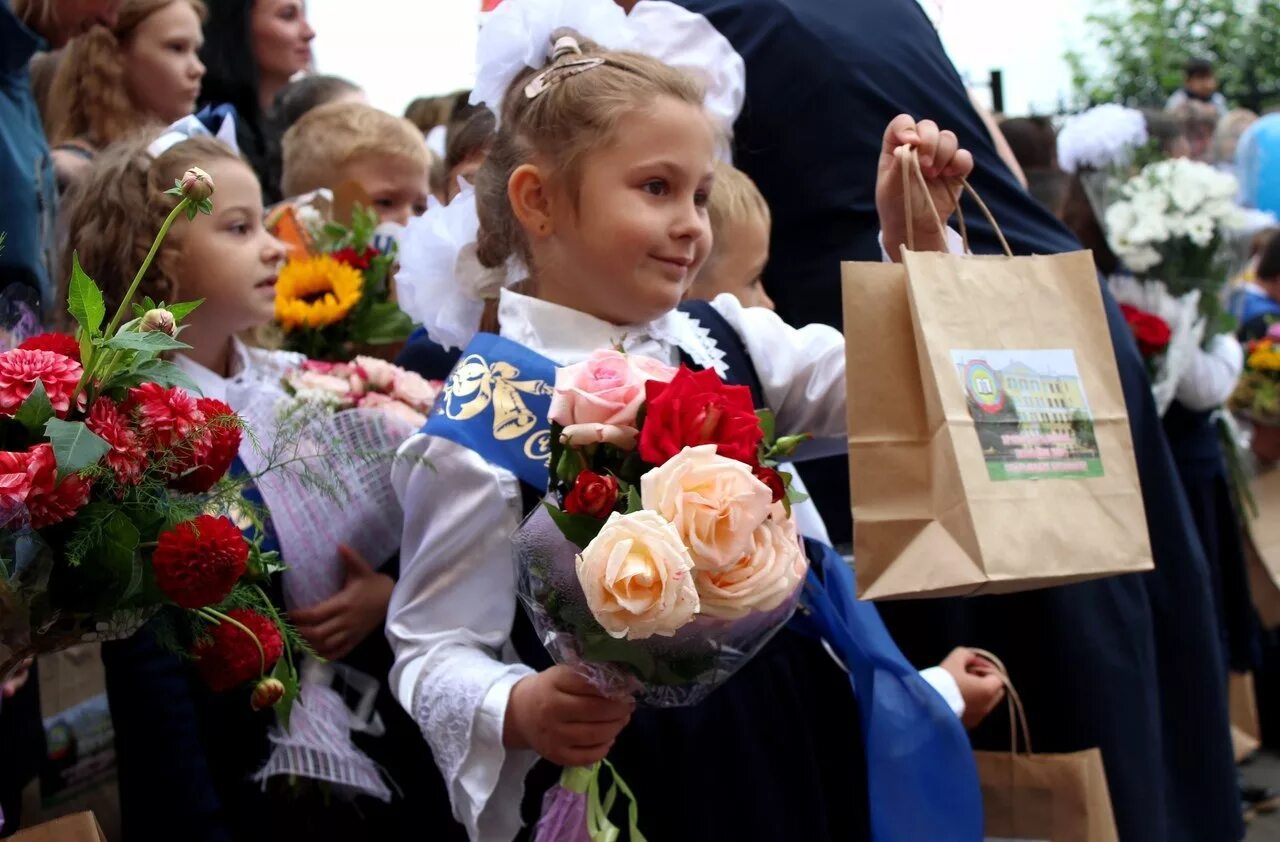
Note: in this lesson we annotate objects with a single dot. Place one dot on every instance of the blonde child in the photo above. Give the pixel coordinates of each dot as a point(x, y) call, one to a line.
point(598, 183)
point(740, 221)
point(350, 142)
point(209, 746)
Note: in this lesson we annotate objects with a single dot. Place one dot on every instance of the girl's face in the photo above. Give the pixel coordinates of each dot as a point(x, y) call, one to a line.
point(281, 37)
point(162, 69)
point(229, 259)
point(629, 246)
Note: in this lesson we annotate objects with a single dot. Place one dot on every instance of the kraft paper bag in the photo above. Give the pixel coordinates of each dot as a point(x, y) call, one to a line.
point(1262, 547)
point(79, 827)
point(989, 445)
point(1042, 797)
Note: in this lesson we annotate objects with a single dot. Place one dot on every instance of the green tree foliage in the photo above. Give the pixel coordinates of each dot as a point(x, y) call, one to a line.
point(1145, 43)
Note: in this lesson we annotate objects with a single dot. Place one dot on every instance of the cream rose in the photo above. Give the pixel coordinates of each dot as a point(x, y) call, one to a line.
point(415, 390)
point(637, 577)
point(380, 373)
point(762, 578)
point(394, 408)
point(305, 380)
point(581, 435)
point(606, 388)
point(715, 503)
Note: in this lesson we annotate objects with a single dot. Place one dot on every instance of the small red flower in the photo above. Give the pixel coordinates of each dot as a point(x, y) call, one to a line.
point(127, 457)
point(48, 501)
point(214, 450)
point(355, 259)
point(229, 657)
point(165, 416)
point(593, 495)
point(773, 479)
point(697, 407)
point(198, 562)
point(1152, 332)
point(20, 369)
point(58, 343)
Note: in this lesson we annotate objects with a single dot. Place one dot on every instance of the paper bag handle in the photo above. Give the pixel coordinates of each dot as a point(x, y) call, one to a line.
point(912, 167)
point(1017, 713)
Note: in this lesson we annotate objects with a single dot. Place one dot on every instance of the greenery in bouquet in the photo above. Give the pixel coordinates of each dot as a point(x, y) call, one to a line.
point(1257, 396)
point(114, 494)
point(1170, 223)
point(336, 298)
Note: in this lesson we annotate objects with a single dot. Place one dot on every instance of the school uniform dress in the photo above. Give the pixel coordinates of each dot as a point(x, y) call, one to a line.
point(790, 723)
point(1128, 664)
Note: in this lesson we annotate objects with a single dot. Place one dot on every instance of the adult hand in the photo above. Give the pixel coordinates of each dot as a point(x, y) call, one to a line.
point(943, 163)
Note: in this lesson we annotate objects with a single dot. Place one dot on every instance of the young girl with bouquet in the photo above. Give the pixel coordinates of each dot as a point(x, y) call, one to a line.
point(593, 200)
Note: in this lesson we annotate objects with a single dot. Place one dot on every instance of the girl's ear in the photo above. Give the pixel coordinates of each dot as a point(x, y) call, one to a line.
point(530, 197)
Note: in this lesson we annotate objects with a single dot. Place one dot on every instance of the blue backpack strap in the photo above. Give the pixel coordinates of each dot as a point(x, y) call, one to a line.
point(496, 403)
point(742, 372)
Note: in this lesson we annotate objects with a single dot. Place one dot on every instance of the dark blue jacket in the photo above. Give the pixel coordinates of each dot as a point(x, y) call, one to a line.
point(26, 171)
point(1127, 664)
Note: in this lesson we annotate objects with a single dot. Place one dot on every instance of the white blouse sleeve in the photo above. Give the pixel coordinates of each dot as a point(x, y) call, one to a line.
point(1212, 373)
point(801, 370)
point(449, 624)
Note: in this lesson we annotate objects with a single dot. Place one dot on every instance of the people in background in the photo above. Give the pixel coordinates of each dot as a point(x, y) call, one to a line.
point(1199, 84)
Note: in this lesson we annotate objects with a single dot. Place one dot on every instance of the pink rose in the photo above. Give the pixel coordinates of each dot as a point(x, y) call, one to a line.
point(415, 390)
point(394, 408)
point(606, 388)
point(582, 435)
point(379, 373)
point(309, 380)
point(769, 572)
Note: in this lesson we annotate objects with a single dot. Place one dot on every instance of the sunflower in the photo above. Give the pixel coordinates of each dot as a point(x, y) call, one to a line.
point(316, 292)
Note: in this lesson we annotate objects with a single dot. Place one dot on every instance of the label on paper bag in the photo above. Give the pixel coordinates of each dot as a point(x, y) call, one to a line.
point(1031, 414)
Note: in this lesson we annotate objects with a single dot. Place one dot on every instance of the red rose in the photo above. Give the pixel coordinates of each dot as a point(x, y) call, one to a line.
point(1152, 332)
point(355, 259)
point(32, 479)
point(229, 657)
point(58, 343)
point(695, 408)
point(773, 479)
point(20, 369)
point(199, 561)
point(165, 416)
point(593, 495)
point(127, 457)
point(213, 451)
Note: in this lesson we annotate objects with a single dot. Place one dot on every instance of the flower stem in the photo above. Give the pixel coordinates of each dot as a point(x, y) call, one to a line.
point(218, 617)
point(288, 650)
point(146, 264)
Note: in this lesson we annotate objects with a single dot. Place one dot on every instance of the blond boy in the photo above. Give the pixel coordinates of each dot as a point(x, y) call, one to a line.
point(740, 241)
point(352, 143)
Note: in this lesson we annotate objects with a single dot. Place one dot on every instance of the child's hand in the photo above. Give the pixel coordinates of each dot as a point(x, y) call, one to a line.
point(980, 684)
point(341, 622)
point(943, 162)
point(558, 714)
point(10, 688)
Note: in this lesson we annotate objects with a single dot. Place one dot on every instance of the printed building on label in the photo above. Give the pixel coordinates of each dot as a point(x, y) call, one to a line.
point(1049, 402)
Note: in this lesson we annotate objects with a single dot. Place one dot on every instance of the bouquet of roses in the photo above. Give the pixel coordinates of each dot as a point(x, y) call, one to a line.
point(1168, 328)
point(1170, 226)
point(665, 556)
point(334, 294)
point(112, 477)
point(342, 421)
point(1257, 396)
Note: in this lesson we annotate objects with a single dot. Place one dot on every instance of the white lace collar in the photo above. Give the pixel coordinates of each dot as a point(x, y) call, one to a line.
point(568, 335)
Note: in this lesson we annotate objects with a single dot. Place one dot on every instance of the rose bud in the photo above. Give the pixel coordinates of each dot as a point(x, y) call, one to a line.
point(593, 495)
point(773, 479)
point(159, 321)
point(266, 693)
point(196, 185)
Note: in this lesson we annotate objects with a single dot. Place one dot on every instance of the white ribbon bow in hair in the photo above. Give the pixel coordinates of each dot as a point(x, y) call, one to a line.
point(217, 122)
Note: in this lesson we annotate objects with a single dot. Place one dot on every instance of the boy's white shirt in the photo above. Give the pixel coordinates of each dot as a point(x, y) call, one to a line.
point(452, 610)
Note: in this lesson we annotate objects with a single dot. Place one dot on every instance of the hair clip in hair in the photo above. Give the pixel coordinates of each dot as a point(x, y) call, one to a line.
point(558, 73)
point(565, 45)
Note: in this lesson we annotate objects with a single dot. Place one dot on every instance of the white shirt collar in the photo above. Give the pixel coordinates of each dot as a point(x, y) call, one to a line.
point(252, 370)
point(568, 336)
point(209, 382)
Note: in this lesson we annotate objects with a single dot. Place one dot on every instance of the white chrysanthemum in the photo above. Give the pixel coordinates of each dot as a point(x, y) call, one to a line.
point(441, 284)
point(1101, 137)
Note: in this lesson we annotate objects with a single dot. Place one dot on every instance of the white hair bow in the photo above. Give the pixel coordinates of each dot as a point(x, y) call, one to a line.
point(217, 122)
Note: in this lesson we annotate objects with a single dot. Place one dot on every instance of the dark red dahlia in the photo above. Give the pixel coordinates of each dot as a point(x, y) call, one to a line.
point(199, 561)
point(213, 450)
point(229, 657)
point(59, 343)
point(127, 457)
point(165, 416)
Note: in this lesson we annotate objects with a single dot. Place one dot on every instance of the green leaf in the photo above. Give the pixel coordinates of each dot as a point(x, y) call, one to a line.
point(164, 373)
point(183, 309)
point(767, 424)
point(633, 500)
point(36, 410)
point(153, 341)
point(381, 324)
point(579, 529)
point(84, 300)
point(289, 678)
point(75, 447)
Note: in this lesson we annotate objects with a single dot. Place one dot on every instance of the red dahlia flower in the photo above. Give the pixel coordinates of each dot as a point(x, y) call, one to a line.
point(48, 501)
point(213, 453)
point(165, 416)
point(229, 656)
point(127, 457)
point(199, 561)
point(20, 369)
point(59, 343)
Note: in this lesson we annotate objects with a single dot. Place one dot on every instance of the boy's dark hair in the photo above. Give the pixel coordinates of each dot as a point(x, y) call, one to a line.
point(1198, 68)
point(302, 95)
point(471, 130)
point(1269, 261)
